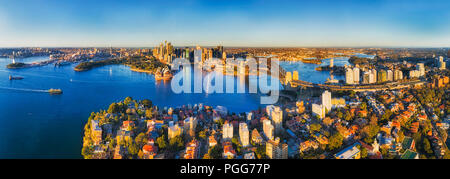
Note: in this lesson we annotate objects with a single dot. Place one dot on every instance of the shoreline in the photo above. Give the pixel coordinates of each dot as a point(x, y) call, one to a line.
point(140, 70)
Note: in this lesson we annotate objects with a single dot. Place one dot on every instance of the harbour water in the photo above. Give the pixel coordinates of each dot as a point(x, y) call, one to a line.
point(307, 72)
point(34, 124)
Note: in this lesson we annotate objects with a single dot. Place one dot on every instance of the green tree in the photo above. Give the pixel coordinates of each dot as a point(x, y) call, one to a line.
point(141, 139)
point(147, 103)
point(340, 115)
point(236, 144)
point(128, 100)
point(161, 141)
point(364, 153)
point(348, 116)
point(176, 143)
point(363, 106)
point(261, 151)
point(447, 154)
point(141, 154)
point(335, 141)
point(202, 134)
point(215, 152)
point(133, 148)
point(148, 113)
point(86, 151)
point(387, 115)
point(427, 146)
point(315, 127)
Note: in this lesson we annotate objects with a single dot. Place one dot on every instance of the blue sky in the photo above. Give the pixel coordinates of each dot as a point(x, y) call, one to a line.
point(295, 23)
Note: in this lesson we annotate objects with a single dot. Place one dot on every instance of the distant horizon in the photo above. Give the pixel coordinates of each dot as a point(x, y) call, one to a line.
point(209, 46)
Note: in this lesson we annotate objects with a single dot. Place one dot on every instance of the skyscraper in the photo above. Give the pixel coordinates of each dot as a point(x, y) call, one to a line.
point(269, 110)
point(441, 64)
point(373, 78)
point(398, 74)
point(414, 74)
point(390, 75)
point(243, 134)
point(326, 100)
point(188, 52)
point(318, 110)
point(277, 117)
point(349, 75)
point(189, 125)
point(250, 116)
point(224, 55)
point(210, 54)
point(198, 55)
point(174, 131)
point(356, 75)
point(227, 131)
point(268, 129)
point(276, 150)
point(366, 77)
point(382, 76)
point(421, 68)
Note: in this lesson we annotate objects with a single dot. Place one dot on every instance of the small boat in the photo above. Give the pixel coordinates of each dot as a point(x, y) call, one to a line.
point(15, 77)
point(55, 91)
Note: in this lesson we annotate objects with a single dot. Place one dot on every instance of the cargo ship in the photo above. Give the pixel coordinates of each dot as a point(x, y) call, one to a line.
point(15, 77)
point(55, 91)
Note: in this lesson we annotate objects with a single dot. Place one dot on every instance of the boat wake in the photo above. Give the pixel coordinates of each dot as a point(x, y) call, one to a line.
point(24, 89)
point(33, 74)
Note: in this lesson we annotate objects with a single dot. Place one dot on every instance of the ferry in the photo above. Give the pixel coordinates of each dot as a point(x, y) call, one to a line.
point(15, 77)
point(55, 91)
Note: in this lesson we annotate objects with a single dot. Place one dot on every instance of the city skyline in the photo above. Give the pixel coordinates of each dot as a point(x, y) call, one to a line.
point(48, 23)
